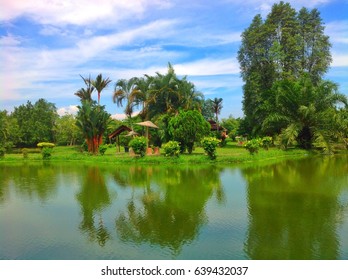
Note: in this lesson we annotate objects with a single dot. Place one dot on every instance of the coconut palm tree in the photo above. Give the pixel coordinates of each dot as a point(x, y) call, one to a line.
point(99, 84)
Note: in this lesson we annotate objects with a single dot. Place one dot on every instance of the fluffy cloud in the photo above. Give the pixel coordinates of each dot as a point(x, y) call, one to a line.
point(82, 12)
point(72, 109)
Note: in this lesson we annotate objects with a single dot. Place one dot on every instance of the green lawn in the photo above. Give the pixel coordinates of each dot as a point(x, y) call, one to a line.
point(231, 153)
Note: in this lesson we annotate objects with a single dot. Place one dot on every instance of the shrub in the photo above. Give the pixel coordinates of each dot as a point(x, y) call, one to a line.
point(139, 144)
point(45, 145)
point(25, 152)
point(102, 149)
point(266, 142)
point(171, 148)
point(46, 153)
point(209, 145)
point(253, 146)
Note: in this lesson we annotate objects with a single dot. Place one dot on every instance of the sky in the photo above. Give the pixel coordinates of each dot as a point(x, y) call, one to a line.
point(45, 45)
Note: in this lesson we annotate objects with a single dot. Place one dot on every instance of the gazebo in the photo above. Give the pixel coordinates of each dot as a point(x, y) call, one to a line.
point(117, 133)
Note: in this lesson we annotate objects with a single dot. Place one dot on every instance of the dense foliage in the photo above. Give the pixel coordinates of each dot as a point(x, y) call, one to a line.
point(171, 148)
point(34, 123)
point(187, 127)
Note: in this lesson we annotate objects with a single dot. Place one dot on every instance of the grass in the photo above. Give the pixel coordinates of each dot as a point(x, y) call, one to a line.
point(231, 153)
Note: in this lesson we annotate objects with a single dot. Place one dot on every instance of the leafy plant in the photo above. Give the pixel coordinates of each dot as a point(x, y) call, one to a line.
point(46, 153)
point(102, 149)
point(171, 148)
point(139, 144)
point(209, 145)
point(266, 142)
point(253, 146)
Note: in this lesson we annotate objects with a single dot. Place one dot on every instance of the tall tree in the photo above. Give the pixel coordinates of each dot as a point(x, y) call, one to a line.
point(315, 56)
point(284, 46)
point(216, 105)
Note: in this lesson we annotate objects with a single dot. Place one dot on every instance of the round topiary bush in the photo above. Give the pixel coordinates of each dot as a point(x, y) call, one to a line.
point(139, 144)
point(171, 148)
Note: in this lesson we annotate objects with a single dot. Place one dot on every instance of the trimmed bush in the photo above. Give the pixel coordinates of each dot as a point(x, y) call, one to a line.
point(171, 148)
point(139, 144)
point(46, 153)
point(209, 145)
point(45, 145)
point(253, 146)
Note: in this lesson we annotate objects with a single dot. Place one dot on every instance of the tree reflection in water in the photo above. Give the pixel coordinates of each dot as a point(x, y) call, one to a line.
point(294, 209)
point(170, 208)
point(93, 198)
point(33, 181)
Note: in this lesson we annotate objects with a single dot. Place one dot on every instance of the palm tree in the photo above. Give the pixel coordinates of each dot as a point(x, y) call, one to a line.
point(123, 92)
point(99, 83)
point(190, 99)
point(144, 95)
point(216, 107)
point(85, 94)
point(92, 120)
point(304, 113)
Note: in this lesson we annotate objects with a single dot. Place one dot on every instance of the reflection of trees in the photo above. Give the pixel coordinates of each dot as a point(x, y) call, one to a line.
point(94, 198)
point(171, 206)
point(294, 209)
point(30, 180)
point(4, 182)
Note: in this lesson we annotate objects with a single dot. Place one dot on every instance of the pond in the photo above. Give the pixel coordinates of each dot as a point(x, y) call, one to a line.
point(294, 209)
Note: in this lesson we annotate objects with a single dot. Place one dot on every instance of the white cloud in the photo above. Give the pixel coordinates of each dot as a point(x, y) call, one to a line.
point(208, 66)
point(339, 60)
point(82, 12)
point(72, 109)
point(338, 31)
point(122, 116)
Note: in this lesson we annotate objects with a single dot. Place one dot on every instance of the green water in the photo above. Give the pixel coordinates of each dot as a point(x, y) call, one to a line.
point(294, 209)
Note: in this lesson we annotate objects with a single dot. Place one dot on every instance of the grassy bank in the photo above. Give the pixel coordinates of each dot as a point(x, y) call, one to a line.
point(226, 155)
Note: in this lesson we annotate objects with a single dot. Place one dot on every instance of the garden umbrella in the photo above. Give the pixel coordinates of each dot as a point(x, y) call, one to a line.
point(132, 133)
point(147, 124)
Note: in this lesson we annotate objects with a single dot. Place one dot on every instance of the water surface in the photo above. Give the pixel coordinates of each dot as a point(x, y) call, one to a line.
point(294, 209)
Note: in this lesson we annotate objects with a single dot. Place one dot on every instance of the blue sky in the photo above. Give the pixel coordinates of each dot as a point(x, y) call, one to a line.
point(46, 44)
